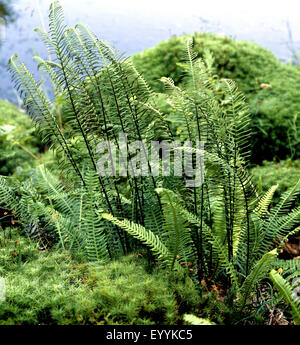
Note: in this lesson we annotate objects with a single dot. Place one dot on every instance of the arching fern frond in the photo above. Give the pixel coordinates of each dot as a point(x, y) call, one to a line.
point(263, 206)
point(258, 272)
point(145, 236)
point(285, 290)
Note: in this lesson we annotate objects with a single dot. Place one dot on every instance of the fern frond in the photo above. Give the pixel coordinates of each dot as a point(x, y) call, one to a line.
point(286, 292)
point(177, 236)
point(262, 208)
point(145, 236)
point(258, 272)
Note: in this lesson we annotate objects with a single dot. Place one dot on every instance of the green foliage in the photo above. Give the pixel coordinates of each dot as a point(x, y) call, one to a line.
point(6, 10)
point(47, 204)
point(219, 230)
point(259, 271)
point(94, 82)
point(274, 110)
point(266, 229)
point(18, 144)
point(285, 289)
point(236, 232)
point(36, 282)
point(50, 287)
point(284, 173)
point(285, 277)
point(142, 234)
point(131, 296)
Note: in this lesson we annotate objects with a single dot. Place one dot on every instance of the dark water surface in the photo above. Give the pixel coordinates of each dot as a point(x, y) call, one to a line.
point(132, 26)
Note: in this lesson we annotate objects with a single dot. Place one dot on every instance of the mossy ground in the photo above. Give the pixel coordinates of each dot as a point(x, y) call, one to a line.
point(52, 287)
point(284, 173)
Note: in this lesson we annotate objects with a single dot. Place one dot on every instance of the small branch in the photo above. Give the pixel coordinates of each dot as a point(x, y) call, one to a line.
point(28, 151)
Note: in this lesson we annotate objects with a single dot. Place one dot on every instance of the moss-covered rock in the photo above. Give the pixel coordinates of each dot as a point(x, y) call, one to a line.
point(270, 86)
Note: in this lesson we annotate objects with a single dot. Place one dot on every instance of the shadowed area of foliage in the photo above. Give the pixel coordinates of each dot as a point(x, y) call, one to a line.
point(6, 10)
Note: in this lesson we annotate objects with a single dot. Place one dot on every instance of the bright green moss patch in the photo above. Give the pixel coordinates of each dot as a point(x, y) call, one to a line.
point(270, 86)
point(285, 174)
point(51, 287)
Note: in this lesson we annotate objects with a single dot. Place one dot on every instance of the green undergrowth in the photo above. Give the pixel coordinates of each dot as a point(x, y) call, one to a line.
point(51, 287)
point(284, 173)
point(204, 255)
point(270, 86)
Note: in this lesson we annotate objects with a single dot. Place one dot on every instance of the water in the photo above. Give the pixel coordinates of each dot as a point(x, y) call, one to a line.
point(132, 26)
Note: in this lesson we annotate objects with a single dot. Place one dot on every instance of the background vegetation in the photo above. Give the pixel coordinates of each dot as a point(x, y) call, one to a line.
point(270, 86)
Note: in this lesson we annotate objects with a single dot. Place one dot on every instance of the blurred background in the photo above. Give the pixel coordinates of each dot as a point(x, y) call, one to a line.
point(133, 25)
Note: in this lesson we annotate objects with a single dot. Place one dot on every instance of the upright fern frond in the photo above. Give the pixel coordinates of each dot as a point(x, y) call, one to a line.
point(176, 236)
point(262, 208)
point(258, 272)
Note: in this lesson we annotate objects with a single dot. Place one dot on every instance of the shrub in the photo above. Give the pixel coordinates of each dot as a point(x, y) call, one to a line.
point(274, 109)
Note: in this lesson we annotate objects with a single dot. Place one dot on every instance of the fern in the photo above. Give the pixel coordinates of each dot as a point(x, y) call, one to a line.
point(286, 292)
point(144, 236)
point(259, 271)
point(223, 228)
point(176, 234)
point(262, 208)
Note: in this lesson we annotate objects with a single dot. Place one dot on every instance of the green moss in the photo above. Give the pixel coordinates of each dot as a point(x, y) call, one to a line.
point(285, 174)
point(51, 287)
point(18, 141)
point(275, 119)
